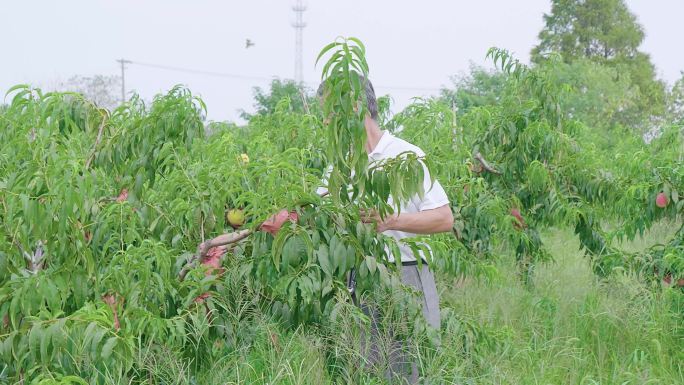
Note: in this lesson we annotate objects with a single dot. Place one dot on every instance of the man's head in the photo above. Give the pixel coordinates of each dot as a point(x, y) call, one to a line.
point(371, 101)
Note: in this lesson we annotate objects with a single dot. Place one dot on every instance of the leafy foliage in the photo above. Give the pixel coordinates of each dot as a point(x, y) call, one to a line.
point(265, 102)
point(478, 88)
point(676, 102)
point(604, 31)
point(100, 211)
point(603, 98)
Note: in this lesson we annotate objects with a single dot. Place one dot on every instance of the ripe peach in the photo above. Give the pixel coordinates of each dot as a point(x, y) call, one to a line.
point(520, 222)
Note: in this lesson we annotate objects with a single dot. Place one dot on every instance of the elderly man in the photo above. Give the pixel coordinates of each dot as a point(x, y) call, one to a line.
point(420, 215)
point(427, 215)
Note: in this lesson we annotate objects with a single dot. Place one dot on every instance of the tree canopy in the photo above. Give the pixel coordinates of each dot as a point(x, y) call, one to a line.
point(265, 101)
point(603, 31)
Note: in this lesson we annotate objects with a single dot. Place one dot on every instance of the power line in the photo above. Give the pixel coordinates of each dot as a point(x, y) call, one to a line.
point(407, 88)
point(199, 72)
point(260, 78)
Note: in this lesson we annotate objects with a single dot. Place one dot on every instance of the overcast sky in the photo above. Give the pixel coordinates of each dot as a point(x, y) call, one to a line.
point(413, 47)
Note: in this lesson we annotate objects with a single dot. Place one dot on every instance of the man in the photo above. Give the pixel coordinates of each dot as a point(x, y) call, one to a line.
point(427, 215)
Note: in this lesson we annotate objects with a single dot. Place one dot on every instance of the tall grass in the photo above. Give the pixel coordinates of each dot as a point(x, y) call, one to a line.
point(568, 328)
point(571, 328)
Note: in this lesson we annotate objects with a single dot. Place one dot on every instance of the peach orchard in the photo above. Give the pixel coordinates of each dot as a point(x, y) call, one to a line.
point(101, 212)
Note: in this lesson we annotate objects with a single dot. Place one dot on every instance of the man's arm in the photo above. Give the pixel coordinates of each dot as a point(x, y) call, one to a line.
point(438, 220)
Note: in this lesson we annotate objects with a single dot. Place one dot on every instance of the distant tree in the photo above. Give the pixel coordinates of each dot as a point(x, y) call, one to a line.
point(603, 31)
point(265, 101)
point(598, 97)
point(102, 90)
point(213, 127)
point(479, 87)
point(675, 102)
point(589, 28)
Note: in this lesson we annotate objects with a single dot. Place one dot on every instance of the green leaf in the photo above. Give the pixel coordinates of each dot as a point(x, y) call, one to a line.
point(35, 336)
point(74, 380)
point(17, 87)
point(339, 256)
point(97, 337)
point(44, 344)
point(108, 347)
point(323, 51)
point(372, 264)
point(324, 260)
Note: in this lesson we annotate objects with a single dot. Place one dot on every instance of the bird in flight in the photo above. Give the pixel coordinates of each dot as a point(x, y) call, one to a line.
point(248, 43)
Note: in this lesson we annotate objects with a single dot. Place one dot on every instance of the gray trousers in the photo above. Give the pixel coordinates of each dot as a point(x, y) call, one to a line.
point(386, 352)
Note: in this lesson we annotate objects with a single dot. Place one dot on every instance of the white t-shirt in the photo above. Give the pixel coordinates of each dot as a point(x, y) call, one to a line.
point(390, 146)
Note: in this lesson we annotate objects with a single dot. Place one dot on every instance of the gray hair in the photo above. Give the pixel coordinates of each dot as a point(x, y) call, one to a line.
point(371, 101)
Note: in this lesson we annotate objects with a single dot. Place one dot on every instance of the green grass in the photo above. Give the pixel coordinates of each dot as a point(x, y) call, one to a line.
point(568, 328)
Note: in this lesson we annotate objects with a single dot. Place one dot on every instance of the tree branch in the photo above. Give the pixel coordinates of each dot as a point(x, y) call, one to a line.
point(227, 239)
point(486, 164)
point(306, 105)
point(36, 259)
point(97, 141)
point(230, 239)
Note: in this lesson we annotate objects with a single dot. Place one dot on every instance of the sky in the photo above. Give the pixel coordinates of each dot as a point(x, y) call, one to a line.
point(413, 47)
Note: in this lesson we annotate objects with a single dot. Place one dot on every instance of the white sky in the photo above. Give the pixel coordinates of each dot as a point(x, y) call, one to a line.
point(409, 43)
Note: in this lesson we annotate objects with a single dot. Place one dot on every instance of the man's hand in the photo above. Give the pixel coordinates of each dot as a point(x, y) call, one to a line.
point(372, 216)
point(210, 255)
point(214, 255)
point(275, 222)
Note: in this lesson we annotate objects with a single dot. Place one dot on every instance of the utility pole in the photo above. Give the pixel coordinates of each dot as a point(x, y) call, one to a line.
point(123, 63)
point(298, 25)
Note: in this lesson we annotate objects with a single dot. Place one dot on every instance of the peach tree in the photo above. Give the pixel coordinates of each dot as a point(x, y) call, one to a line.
point(522, 165)
point(101, 213)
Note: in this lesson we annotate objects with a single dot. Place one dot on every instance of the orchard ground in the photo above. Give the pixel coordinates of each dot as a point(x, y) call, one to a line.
point(570, 328)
